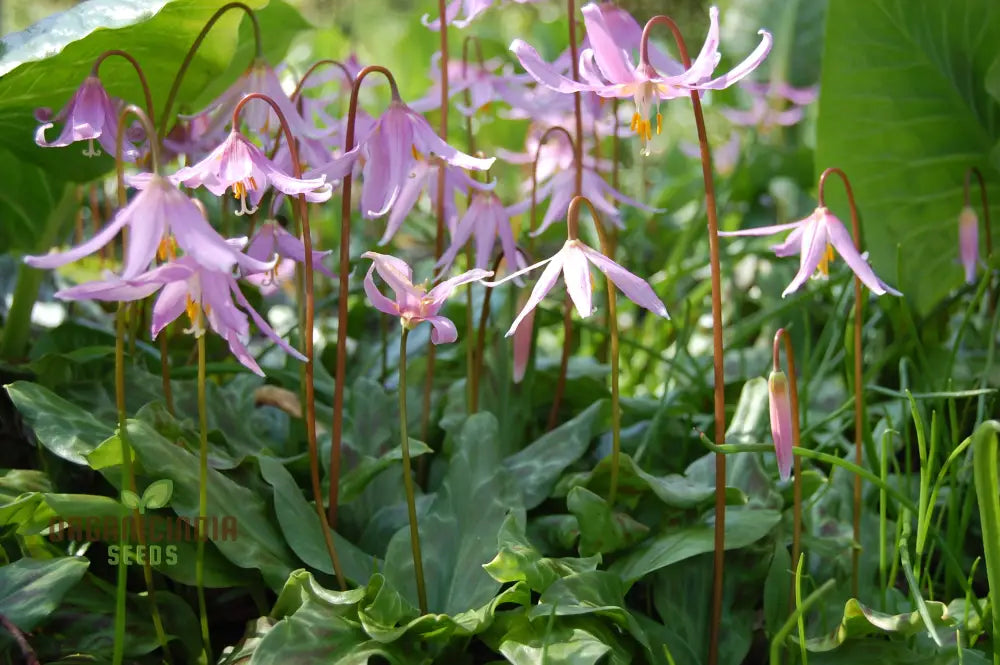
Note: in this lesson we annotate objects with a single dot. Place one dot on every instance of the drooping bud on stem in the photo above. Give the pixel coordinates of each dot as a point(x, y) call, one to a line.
point(781, 420)
point(968, 242)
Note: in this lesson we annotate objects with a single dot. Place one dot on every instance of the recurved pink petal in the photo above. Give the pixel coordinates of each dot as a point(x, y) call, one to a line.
point(635, 288)
point(379, 301)
point(842, 242)
point(541, 71)
point(608, 54)
point(443, 331)
point(545, 282)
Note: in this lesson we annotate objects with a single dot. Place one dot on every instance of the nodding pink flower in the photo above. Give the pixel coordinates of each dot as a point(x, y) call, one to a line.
point(607, 70)
point(471, 9)
point(562, 188)
point(484, 84)
point(724, 157)
point(414, 303)
point(239, 164)
point(487, 219)
point(553, 156)
point(204, 294)
point(160, 219)
point(399, 140)
point(781, 421)
point(259, 117)
point(814, 239)
point(573, 261)
point(273, 240)
point(968, 242)
point(90, 114)
point(767, 102)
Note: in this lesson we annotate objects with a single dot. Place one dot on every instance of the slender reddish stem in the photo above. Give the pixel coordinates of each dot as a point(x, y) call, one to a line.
point(302, 212)
point(22, 642)
point(858, 387)
point(316, 65)
point(988, 227)
point(577, 99)
point(142, 81)
point(336, 434)
point(717, 353)
point(189, 56)
point(793, 388)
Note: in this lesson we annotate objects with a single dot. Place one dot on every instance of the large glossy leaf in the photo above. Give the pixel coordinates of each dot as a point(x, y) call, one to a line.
point(62, 427)
point(860, 620)
point(459, 533)
point(904, 111)
point(602, 530)
point(31, 589)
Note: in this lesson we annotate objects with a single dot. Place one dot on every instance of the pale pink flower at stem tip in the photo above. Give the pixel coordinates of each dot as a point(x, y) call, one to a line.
point(968, 242)
point(781, 421)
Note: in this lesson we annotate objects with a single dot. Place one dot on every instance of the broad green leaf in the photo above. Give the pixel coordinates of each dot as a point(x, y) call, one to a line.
point(776, 588)
point(301, 527)
point(31, 589)
point(519, 560)
point(860, 620)
point(64, 428)
point(879, 652)
point(158, 493)
point(602, 530)
point(528, 645)
point(354, 481)
point(537, 467)
point(258, 543)
point(459, 533)
point(904, 112)
point(743, 527)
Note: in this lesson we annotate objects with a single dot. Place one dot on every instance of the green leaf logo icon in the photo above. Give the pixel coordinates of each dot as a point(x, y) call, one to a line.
point(156, 496)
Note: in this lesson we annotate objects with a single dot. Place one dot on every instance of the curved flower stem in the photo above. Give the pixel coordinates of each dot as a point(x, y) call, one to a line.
point(302, 213)
point(438, 213)
point(567, 305)
point(189, 56)
point(142, 81)
point(717, 347)
point(128, 481)
point(316, 65)
point(988, 228)
point(858, 386)
point(782, 336)
point(411, 503)
point(199, 570)
point(572, 227)
point(344, 273)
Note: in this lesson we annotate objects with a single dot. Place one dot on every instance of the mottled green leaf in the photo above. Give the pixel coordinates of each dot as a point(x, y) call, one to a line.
point(602, 530)
point(31, 589)
point(62, 427)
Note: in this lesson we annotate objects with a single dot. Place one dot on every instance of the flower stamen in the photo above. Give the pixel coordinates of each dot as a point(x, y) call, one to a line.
point(167, 249)
point(240, 190)
point(90, 150)
point(824, 263)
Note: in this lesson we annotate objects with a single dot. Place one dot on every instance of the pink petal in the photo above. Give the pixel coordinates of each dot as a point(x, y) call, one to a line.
point(814, 241)
point(842, 242)
point(541, 71)
point(522, 345)
point(635, 288)
point(781, 421)
point(546, 281)
point(576, 273)
point(444, 331)
point(607, 53)
point(379, 301)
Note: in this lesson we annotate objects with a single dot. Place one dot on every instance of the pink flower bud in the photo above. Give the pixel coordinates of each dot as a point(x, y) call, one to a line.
point(968, 242)
point(781, 421)
point(522, 345)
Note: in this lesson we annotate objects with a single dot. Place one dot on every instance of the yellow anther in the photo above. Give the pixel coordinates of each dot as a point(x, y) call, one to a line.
point(416, 153)
point(239, 190)
point(192, 310)
point(635, 121)
point(824, 262)
point(253, 183)
point(659, 123)
point(167, 248)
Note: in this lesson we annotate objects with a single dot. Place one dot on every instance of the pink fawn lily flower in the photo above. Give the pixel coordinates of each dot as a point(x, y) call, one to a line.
point(471, 9)
point(487, 219)
point(414, 303)
point(573, 261)
point(562, 188)
point(483, 83)
point(90, 114)
point(272, 239)
point(607, 70)
point(160, 219)
point(968, 242)
point(767, 101)
point(399, 140)
point(522, 345)
point(724, 157)
point(205, 295)
point(239, 164)
point(781, 421)
point(814, 239)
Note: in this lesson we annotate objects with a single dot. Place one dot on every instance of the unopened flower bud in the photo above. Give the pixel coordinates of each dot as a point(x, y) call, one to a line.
point(968, 242)
point(781, 421)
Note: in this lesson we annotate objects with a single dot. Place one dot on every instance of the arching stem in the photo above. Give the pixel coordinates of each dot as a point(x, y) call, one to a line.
point(147, 95)
point(344, 269)
point(717, 346)
point(189, 56)
point(858, 385)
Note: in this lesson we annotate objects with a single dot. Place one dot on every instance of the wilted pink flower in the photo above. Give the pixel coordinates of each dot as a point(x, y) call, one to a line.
point(414, 303)
point(160, 218)
point(204, 294)
point(781, 421)
point(968, 242)
point(573, 261)
point(89, 115)
point(239, 164)
point(471, 9)
point(562, 188)
point(607, 70)
point(400, 139)
point(487, 219)
point(814, 239)
point(272, 239)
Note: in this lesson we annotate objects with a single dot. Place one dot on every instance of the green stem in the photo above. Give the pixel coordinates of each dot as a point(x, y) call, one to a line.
point(118, 652)
point(791, 622)
point(199, 570)
point(800, 620)
point(17, 329)
point(987, 490)
point(411, 503)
